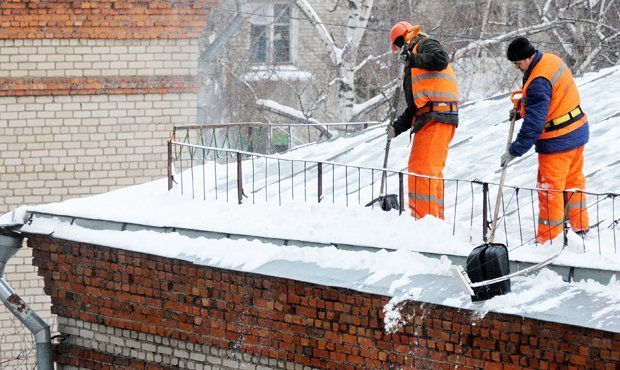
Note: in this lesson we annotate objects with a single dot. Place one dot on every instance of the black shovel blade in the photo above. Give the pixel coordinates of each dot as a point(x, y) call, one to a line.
point(486, 262)
point(386, 202)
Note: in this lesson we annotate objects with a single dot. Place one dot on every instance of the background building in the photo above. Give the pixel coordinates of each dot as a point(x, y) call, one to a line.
point(89, 92)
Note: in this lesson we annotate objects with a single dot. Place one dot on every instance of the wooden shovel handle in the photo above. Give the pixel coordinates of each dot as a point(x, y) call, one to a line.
point(515, 97)
point(387, 144)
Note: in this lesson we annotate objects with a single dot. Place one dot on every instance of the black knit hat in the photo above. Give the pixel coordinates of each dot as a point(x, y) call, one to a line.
point(519, 49)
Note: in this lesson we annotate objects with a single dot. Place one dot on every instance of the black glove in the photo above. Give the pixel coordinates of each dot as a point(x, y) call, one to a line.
point(404, 56)
point(514, 114)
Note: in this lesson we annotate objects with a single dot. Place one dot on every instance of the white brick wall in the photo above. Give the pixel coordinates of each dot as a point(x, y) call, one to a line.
point(54, 147)
point(97, 58)
point(57, 147)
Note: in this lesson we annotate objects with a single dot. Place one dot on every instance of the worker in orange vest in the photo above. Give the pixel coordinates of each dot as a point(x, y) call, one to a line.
point(431, 115)
point(554, 122)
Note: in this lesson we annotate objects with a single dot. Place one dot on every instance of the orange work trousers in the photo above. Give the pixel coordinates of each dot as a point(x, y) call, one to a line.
point(561, 171)
point(429, 152)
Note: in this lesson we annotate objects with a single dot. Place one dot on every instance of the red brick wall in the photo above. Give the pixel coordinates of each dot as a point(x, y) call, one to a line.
point(103, 19)
point(98, 85)
point(291, 321)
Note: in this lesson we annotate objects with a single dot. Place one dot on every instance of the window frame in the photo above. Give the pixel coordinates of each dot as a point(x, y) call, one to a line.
point(262, 10)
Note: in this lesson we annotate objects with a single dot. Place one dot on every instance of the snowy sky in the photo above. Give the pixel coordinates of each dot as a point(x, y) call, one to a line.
point(395, 265)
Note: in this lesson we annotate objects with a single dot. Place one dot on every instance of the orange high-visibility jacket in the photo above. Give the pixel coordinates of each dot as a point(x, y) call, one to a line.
point(431, 86)
point(564, 95)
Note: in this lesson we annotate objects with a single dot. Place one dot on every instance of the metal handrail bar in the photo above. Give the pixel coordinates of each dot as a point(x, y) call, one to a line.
point(380, 169)
point(285, 159)
point(245, 124)
point(395, 172)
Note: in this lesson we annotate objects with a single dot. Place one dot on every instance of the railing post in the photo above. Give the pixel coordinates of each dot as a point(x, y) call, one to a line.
point(270, 139)
point(566, 221)
point(290, 138)
point(485, 200)
point(401, 193)
point(239, 179)
point(320, 181)
point(170, 175)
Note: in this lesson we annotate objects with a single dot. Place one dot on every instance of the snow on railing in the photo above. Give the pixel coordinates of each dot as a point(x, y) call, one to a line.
point(211, 173)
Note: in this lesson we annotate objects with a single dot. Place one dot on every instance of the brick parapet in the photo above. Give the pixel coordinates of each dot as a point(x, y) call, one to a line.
point(293, 321)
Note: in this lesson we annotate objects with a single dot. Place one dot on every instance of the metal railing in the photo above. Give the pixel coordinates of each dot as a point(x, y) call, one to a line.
point(244, 177)
point(265, 138)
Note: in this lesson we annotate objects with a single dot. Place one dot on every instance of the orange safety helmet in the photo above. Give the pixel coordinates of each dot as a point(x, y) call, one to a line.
point(405, 30)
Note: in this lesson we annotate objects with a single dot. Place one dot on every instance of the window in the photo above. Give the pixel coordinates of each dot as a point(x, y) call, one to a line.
point(270, 34)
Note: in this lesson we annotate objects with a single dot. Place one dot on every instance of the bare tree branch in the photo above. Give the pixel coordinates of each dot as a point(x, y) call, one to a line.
point(372, 103)
point(586, 63)
point(508, 36)
point(245, 83)
point(290, 113)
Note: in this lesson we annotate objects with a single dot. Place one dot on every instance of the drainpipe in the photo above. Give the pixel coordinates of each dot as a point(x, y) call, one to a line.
point(10, 242)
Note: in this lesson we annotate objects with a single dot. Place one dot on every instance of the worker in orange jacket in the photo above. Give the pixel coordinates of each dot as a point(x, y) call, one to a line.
point(554, 122)
point(431, 115)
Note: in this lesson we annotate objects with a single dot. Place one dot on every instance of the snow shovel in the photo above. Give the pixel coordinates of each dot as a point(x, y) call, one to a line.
point(488, 266)
point(388, 202)
point(516, 98)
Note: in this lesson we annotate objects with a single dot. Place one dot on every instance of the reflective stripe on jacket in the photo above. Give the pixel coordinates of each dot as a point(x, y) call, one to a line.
point(564, 95)
point(430, 57)
point(433, 86)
